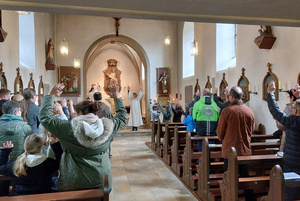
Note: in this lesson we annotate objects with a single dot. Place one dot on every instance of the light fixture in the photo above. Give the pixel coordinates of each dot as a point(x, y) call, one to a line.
point(64, 49)
point(22, 12)
point(76, 62)
point(167, 40)
point(194, 48)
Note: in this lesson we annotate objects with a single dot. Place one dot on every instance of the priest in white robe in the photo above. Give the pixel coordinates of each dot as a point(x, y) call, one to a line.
point(135, 117)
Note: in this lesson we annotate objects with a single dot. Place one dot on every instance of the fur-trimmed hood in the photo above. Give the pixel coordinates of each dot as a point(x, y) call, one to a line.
point(90, 131)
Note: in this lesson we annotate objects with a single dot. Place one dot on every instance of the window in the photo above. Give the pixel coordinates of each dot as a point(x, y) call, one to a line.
point(27, 41)
point(188, 61)
point(226, 46)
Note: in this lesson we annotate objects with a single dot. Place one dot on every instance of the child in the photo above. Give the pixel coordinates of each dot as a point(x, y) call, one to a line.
point(167, 112)
point(32, 171)
point(154, 112)
point(189, 122)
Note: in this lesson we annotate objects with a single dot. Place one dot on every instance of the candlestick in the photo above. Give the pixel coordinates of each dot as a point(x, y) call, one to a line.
point(249, 87)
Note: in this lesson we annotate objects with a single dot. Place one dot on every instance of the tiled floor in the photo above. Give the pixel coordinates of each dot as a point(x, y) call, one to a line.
point(139, 175)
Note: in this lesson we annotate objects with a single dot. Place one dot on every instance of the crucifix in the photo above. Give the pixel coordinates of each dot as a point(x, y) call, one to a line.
point(117, 19)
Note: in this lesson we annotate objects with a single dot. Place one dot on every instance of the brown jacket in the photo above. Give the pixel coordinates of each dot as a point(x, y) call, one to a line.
point(236, 124)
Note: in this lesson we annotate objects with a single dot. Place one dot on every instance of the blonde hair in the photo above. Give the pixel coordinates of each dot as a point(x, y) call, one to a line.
point(32, 145)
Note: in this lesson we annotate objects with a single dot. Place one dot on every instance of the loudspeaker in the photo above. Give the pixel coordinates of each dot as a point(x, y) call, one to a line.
point(265, 42)
point(3, 34)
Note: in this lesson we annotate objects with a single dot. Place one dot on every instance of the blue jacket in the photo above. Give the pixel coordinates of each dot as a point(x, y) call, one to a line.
point(189, 122)
point(33, 116)
point(292, 123)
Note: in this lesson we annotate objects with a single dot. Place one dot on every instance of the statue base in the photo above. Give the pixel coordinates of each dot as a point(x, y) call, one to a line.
point(50, 66)
point(163, 98)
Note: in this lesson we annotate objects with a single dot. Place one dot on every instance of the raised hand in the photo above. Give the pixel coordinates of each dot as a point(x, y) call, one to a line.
point(271, 87)
point(63, 102)
point(8, 144)
point(57, 90)
point(114, 91)
point(216, 90)
point(297, 92)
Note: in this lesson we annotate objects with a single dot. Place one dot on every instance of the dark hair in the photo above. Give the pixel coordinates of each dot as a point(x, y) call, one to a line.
point(10, 107)
point(28, 94)
point(134, 93)
point(236, 92)
point(178, 107)
point(97, 96)
point(291, 95)
point(86, 107)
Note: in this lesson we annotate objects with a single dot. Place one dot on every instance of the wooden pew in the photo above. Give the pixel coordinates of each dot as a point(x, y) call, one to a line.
point(207, 176)
point(160, 135)
point(153, 134)
point(231, 182)
point(190, 157)
point(82, 195)
point(208, 187)
point(177, 150)
point(260, 129)
point(168, 141)
point(278, 182)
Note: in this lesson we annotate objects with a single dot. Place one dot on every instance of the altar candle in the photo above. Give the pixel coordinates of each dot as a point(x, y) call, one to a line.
point(18, 87)
point(249, 87)
point(280, 85)
point(41, 91)
point(211, 90)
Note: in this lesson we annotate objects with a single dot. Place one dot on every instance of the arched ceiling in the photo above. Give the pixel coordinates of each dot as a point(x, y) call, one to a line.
point(265, 12)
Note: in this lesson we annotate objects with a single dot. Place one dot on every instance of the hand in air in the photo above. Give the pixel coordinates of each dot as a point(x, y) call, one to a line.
point(271, 87)
point(56, 90)
point(114, 91)
point(7, 145)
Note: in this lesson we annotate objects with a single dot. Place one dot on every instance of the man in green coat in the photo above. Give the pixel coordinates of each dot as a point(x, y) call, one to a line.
point(84, 141)
point(14, 129)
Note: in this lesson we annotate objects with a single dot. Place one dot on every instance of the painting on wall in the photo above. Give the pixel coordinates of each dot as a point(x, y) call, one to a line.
point(244, 84)
point(70, 77)
point(222, 88)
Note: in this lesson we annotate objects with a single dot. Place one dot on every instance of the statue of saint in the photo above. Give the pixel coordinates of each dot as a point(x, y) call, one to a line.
point(112, 75)
point(50, 52)
point(163, 79)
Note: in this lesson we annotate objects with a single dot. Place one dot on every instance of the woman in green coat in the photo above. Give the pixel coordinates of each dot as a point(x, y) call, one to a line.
point(85, 140)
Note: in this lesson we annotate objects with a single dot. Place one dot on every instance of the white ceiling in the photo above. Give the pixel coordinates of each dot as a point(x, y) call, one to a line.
point(265, 12)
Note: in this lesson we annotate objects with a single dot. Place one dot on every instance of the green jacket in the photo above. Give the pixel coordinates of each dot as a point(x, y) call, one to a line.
point(85, 160)
point(14, 129)
point(205, 110)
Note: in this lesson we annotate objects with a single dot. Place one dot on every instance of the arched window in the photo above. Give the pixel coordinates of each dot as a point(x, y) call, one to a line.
point(27, 41)
point(226, 46)
point(188, 61)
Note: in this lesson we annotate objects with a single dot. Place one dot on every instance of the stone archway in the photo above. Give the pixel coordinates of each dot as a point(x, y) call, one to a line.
point(98, 44)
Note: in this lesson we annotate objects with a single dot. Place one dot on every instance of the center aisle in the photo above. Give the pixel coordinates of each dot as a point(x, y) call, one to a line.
point(139, 175)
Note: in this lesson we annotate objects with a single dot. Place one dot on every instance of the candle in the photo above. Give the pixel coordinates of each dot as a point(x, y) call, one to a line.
point(211, 90)
point(18, 88)
point(249, 87)
point(280, 85)
point(41, 91)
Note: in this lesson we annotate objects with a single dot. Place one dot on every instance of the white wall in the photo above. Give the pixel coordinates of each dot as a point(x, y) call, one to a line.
point(82, 31)
point(284, 56)
point(9, 49)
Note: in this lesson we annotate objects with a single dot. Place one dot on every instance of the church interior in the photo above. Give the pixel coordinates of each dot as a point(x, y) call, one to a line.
point(133, 35)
